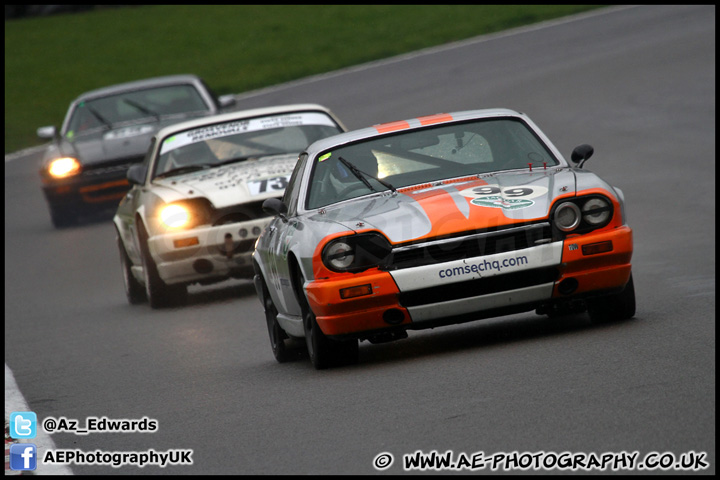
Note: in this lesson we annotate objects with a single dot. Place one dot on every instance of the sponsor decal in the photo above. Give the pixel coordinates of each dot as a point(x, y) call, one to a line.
point(500, 202)
point(128, 132)
point(507, 198)
point(239, 126)
point(484, 266)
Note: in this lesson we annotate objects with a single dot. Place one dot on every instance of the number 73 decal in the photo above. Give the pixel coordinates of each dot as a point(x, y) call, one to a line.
point(508, 198)
point(264, 185)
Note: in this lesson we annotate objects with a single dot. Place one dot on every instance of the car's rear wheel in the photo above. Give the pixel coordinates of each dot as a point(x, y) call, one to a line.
point(620, 306)
point(134, 290)
point(159, 294)
point(275, 332)
point(324, 352)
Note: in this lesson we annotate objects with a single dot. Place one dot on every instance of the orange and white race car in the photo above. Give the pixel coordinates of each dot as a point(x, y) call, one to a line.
point(433, 221)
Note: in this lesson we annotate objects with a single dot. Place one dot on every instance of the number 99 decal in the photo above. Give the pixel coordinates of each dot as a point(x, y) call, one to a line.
point(509, 198)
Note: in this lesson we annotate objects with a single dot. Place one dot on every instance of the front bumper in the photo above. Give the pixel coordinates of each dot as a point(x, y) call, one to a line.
point(207, 254)
point(98, 186)
point(473, 288)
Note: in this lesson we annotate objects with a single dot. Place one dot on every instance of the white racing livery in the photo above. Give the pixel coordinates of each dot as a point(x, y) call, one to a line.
point(194, 211)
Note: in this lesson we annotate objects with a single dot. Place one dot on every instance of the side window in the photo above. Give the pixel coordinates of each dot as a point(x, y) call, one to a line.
point(292, 192)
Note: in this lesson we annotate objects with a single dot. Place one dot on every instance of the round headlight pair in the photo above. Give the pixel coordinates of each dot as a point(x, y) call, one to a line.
point(356, 253)
point(593, 212)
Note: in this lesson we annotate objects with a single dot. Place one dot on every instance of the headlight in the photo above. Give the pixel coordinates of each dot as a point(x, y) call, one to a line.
point(567, 216)
point(175, 216)
point(596, 211)
point(185, 214)
point(339, 255)
point(583, 214)
point(64, 167)
point(356, 253)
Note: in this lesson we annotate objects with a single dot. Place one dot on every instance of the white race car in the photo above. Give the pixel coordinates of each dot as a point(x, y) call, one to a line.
point(194, 210)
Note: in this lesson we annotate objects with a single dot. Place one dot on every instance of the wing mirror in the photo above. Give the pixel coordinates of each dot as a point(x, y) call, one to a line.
point(48, 133)
point(226, 101)
point(581, 154)
point(275, 207)
point(136, 174)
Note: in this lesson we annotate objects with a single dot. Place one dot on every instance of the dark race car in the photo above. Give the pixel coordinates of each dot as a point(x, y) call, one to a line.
point(106, 131)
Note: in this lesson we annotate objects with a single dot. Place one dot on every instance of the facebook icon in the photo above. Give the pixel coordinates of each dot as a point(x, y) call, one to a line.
point(23, 456)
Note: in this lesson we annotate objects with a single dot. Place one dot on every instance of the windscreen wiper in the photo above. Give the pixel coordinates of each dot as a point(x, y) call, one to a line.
point(100, 118)
point(142, 108)
point(231, 160)
point(362, 176)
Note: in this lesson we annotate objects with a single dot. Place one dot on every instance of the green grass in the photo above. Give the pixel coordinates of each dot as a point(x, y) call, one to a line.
point(235, 48)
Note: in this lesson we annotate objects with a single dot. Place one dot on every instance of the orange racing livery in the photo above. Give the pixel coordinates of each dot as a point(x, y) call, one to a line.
point(434, 221)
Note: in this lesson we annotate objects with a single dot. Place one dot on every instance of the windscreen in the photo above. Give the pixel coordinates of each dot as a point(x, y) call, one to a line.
point(424, 155)
point(134, 106)
point(243, 140)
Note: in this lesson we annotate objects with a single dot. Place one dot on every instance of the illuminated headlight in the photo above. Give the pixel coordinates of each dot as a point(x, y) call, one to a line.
point(356, 253)
point(64, 167)
point(175, 216)
point(596, 211)
point(567, 216)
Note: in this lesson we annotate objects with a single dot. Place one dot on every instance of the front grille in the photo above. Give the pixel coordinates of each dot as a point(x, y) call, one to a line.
point(475, 244)
point(115, 168)
point(238, 213)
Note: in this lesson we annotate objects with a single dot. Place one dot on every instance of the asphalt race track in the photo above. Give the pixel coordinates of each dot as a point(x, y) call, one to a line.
point(637, 83)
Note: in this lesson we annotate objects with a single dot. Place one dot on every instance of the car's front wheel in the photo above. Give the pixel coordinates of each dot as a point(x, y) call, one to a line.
point(134, 290)
point(620, 306)
point(275, 332)
point(60, 217)
point(324, 352)
point(159, 294)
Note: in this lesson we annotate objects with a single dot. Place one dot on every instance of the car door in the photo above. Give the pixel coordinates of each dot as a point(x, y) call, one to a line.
point(133, 201)
point(281, 233)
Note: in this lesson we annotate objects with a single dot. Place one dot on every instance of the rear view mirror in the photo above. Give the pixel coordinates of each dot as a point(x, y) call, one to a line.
point(418, 140)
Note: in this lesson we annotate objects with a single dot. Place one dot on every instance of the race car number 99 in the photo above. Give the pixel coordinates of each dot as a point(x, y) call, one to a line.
point(274, 184)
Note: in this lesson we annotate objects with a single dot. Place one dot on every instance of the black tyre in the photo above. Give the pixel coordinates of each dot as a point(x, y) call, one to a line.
point(134, 291)
point(324, 352)
point(60, 217)
point(275, 332)
point(620, 306)
point(159, 294)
